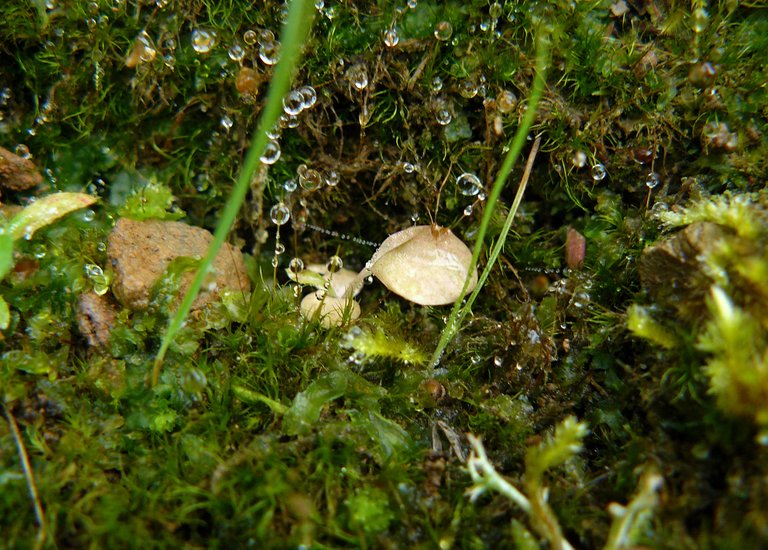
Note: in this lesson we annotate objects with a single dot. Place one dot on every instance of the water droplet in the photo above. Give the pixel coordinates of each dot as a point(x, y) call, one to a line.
point(495, 10)
point(203, 40)
point(309, 96)
point(408, 168)
point(288, 121)
point(332, 178)
point(296, 265)
point(280, 214)
point(506, 101)
point(579, 159)
point(437, 84)
point(39, 251)
point(498, 361)
point(334, 264)
point(279, 248)
point(101, 246)
point(358, 77)
point(598, 172)
point(23, 151)
point(412, 4)
point(443, 31)
point(236, 53)
point(226, 122)
point(391, 38)
point(368, 280)
point(443, 116)
point(161, 3)
point(269, 52)
point(468, 210)
point(250, 37)
point(293, 103)
point(652, 180)
point(93, 271)
point(271, 153)
point(468, 89)
point(468, 184)
point(310, 180)
point(275, 261)
point(290, 185)
point(88, 215)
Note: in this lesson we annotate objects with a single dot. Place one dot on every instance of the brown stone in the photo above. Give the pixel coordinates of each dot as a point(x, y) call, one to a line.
point(17, 173)
point(673, 269)
point(95, 318)
point(140, 251)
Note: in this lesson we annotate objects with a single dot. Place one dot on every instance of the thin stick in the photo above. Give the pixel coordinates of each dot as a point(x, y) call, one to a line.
point(29, 475)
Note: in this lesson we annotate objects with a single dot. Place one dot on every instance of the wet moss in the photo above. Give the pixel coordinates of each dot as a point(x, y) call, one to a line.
point(266, 428)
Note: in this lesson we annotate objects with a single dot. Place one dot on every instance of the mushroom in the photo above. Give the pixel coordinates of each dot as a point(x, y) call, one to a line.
point(425, 264)
point(333, 301)
point(332, 310)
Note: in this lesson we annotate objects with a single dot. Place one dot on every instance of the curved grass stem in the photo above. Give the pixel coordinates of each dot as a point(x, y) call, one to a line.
point(292, 38)
point(518, 141)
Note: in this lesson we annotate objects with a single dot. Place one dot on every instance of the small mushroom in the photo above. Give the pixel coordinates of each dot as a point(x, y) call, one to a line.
point(332, 302)
point(332, 311)
point(425, 264)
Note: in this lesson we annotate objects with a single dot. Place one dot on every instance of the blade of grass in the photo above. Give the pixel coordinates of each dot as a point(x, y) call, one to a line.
point(518, 141)
point(28, 473)
point(291, 40)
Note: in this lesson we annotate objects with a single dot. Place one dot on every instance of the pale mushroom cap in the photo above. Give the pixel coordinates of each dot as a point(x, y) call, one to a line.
point(424, 264)
point(331, 309)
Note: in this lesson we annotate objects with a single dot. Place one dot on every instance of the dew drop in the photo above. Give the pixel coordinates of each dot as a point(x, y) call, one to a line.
point(311, 180)
point(279, 248)
point(23, 151)
point(269, 52)
point(468, 89)
point(443, 31)
point(250, 37)
point(93, 271)
point(652, 180)
point(332, 178)
point(437, 84)
point(226, 122)
point(275, 261)
point(598, 172)
point(506, 101)
point(271, 153)
point(579, 159)
point(203, 40)
point(309, 96)
point(293, 103)
point(280, 214)
point(412, 4)
point(443, 116)
point(468, 184)
point(290, 185)
point(296, 265)
point(358, 77)
point(236, 53)
point(468, 210)
point(408, 168)
point(88, 215)
point(495, 10)
point(391, 38)
point(334, 264)
point(39, 251)
point(288, 121)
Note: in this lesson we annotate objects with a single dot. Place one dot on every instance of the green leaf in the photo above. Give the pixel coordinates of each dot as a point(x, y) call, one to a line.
point(45, 211)
point(151, 202)
point(6, 254)
point(307, 405)
point(5, 314)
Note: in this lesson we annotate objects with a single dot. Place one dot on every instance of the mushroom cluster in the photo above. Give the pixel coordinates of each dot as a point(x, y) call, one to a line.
point(425, 264)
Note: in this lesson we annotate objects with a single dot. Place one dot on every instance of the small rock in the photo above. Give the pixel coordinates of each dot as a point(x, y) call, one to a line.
point(95, 317)
point(673, 270)
point(140, 251)
point(17, 173)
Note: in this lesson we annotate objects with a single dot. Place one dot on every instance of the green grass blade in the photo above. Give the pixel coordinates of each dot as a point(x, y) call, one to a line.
point(518, 141)
point(291, 41)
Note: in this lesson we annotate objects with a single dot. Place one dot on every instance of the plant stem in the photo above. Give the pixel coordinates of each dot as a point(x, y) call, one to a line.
point(29, 475)
point(518, 141)
point(291, 40)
